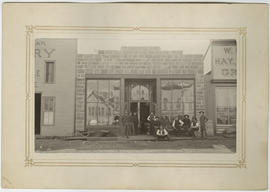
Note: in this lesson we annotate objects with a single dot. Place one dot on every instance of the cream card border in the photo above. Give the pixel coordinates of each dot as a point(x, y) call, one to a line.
point(33, 159)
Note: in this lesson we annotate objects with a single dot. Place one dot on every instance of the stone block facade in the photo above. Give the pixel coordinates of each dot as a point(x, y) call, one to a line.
point(137, 61)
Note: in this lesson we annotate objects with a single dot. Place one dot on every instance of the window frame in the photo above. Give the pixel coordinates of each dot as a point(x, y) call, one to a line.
point(226, 87)
point(180, 79)
point(105, 112)
point(54, 71)
point(43, 98)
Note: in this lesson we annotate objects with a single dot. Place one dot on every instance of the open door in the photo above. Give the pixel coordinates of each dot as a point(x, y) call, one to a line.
point(144, 113)
point(37, 112)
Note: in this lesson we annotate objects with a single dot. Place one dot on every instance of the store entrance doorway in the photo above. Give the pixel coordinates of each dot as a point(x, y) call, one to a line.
point(141, 111)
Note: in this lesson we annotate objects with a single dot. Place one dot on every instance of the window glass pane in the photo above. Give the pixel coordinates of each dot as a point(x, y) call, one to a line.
point(51, 118)
point(92, 91)
point(177, 97)
point(51, 104)
point(51, 72)
point(103, 101)
point(226, 105)
point(178, 107)
point(145, 93)
point(45, 118)
point(49, 76)
point(48, 110)
point(91, 116)
point(46, 104)
point(164, 104)
point(166, 95)
point(232, 115)
point(115, 95)
point(188, 98)
point(102, 118)
point(135, 91)
point(177, 90)
point(103, 90)
point(48, 118)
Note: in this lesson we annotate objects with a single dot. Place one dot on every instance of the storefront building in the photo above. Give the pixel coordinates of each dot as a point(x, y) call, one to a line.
point(140, 80)
point(220, 85)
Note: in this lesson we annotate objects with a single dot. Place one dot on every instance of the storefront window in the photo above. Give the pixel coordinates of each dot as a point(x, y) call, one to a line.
point(226, 105)
point(177, 98)
point(103, 102)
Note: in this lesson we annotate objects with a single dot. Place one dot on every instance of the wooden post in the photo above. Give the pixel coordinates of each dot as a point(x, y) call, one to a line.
point(158, 95)
point(122, 104)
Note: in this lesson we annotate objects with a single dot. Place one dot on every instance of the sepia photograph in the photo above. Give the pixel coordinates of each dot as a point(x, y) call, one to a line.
point(111, 95)
point(135, 96)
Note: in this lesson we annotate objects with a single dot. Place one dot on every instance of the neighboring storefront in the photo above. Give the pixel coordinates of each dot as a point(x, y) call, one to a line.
point(220, 85)
point(55, 86)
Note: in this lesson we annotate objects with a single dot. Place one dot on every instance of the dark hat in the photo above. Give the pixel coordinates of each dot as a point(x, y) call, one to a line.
point(186, 115)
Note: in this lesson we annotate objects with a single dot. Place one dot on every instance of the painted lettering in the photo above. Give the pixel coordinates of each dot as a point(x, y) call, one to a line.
point(44, 53)
point(49, 52)
point(37, 53)
point(40, 43)
point(230, 60)
point(224, 61)
point(229, 72)
point(227, 50)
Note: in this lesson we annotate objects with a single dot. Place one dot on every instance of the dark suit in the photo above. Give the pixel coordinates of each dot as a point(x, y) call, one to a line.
point(203, 120)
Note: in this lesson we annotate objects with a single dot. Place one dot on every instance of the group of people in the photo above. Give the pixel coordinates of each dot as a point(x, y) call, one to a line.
point(181, 126)
point(191, 126)
point(130, 123)
point(159, 126)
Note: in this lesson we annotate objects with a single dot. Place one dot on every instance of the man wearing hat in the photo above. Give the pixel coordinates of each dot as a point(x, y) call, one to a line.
point(186, 122)
point(177, 123)
point(151, 118)
point(203, 120)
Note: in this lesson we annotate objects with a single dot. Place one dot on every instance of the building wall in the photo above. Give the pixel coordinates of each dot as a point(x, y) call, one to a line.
point(63, 52)
point(138, 61)
point(210, 99)
point(222, 54)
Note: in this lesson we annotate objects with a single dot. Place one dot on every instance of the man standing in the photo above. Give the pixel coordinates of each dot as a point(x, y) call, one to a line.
point(203, 120)
point(130, 122)
point(151, 118)
point(135, 122)
point(125, 124)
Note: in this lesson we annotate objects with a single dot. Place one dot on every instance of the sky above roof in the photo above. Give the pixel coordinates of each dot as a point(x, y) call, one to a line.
point(197, 46)
point(90, 46)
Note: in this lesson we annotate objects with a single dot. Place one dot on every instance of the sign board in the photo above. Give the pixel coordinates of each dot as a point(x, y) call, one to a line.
point(224, 59)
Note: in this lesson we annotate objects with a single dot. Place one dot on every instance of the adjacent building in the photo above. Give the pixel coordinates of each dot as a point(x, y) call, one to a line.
point(220, 85)
point(55, 86)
